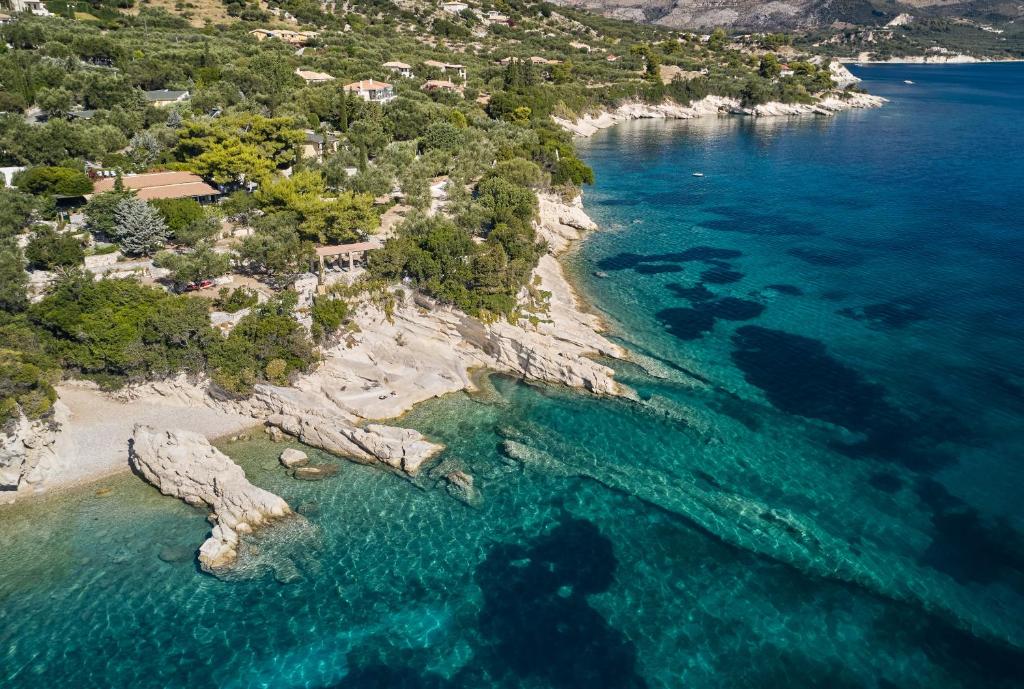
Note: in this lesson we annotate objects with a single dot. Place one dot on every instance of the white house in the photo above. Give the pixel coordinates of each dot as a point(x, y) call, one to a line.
point(36, 7)
point(399, 68)
point(372, 91)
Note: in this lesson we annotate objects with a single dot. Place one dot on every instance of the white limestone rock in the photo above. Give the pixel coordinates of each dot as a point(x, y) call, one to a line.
point(292, 458)
point(185, 465)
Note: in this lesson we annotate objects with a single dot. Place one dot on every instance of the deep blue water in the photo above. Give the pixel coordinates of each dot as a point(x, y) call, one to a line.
point(819, 486)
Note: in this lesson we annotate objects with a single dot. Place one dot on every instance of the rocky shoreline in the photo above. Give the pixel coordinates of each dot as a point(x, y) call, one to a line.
point(391, 362)
point(589, 124)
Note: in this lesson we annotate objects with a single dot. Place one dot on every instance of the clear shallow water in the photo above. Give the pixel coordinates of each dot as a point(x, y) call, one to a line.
point(820, 487)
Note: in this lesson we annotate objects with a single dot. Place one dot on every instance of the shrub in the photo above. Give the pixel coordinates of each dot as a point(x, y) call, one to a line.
point(328, 315)
point(53, 181)
point(233, 301)
point(49, 249)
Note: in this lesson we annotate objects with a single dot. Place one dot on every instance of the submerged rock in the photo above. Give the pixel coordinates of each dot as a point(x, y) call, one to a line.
point(292, 458)
point(185, 465)
point(460, 487)
point(316, 472)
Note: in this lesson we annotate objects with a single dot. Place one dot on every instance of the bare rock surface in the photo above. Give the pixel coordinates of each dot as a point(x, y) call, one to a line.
point(589, 124)
point(185, 465)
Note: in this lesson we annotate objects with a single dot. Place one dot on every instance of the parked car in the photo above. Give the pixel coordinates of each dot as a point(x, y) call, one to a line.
point(196, 286)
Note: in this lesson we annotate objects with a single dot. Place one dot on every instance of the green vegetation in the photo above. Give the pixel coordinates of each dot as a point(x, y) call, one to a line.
point(49, 249)
point(301, 164)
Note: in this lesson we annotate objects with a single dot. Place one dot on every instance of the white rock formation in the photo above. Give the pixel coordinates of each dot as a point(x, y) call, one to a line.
point(712, 105)
point(27, 453)
point(186, 466)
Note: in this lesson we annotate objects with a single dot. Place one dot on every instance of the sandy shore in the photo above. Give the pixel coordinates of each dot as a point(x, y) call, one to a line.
point(93, 441)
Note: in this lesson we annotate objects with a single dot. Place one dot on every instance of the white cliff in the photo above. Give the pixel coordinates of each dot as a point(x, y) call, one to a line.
point(27, 452)
point(185, 465)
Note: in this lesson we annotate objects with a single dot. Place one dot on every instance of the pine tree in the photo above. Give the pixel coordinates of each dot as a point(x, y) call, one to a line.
point(343, 114)
point(139, 227)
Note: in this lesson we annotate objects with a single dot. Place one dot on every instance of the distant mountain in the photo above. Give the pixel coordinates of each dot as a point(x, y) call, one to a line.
point(792, 14)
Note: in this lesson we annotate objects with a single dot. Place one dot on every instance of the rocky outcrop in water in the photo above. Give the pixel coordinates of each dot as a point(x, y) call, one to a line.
point(185, 465)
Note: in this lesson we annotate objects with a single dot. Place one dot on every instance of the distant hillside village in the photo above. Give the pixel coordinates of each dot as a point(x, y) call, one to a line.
point(213, 199)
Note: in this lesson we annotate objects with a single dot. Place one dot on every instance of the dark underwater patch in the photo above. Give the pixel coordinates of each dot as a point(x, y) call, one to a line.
point(627, 260)
point(656, 268)
point(763, 224)
point(789, 290)
point(735, 309)
point(721, 276)
point(965, 544)
point(686, 323)
point(828, 258)
point(696, 293)
point(889, 315)
point(799, 376)
point(885, 482)
point(536, 621)
point(691, 323)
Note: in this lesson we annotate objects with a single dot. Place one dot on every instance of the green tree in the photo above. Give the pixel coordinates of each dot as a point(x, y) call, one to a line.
point(187, 221)
point(769, 67)
point(201, 263)
point(138, 227)
point(276, 249)
point(99, 212)
point(16, 209)
point(53, 181)
point(13, 279)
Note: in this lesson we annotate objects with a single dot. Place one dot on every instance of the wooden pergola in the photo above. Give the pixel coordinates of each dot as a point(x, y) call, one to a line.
point(325, 254)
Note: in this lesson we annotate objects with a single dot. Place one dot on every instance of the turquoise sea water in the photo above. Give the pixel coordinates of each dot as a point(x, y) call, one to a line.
point(820, 486)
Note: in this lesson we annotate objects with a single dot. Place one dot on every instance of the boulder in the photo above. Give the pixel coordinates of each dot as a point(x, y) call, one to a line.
point(292, 458)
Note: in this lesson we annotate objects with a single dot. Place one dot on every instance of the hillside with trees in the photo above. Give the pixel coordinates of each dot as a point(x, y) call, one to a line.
point(175, 186)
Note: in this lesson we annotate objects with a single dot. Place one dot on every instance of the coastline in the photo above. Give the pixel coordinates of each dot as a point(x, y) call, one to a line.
point(588, 124)
point(929, 60)
point(389, 364)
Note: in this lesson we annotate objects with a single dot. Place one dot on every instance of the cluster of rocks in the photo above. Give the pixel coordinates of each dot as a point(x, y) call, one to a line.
point(297, 464)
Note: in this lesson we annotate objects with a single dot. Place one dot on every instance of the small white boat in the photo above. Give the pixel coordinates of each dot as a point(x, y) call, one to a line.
point(907, 81)
point(698, 174)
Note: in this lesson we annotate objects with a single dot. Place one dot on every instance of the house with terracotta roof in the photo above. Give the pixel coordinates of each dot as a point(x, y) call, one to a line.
point(162, 185)
point(399, 68)
point(441, 85)
point(311, 77)
point(372, 91)
point(445, 67)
